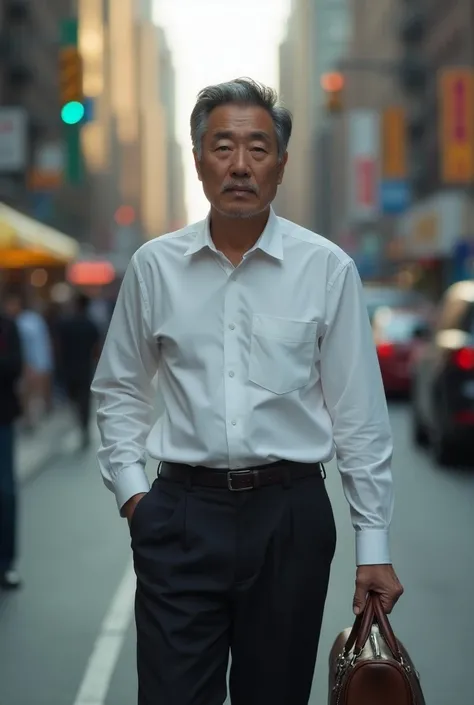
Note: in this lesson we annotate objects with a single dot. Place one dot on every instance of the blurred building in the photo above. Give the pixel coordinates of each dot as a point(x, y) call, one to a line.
point(294, 200)
point(127, 144)
point(29, 91)
point(437, 74)
point(316, 37)
point(366, 137)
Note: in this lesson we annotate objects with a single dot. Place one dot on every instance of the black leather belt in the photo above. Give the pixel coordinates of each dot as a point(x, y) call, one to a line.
point(240, 480)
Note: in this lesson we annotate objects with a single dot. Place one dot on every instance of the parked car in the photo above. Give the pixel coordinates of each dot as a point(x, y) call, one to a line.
point(443, 379)
point(396, 336)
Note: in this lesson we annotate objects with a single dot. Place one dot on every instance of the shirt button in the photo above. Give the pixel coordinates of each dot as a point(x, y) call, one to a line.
point(234, 423)
point(232, 327)
point(231, 374)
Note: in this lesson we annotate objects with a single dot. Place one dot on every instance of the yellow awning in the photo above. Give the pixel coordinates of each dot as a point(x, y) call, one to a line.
point(25, 242)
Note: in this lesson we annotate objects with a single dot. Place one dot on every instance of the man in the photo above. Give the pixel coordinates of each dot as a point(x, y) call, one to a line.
point(38, 355)
point(77, 340)
point(10, 373)
point(261, 341)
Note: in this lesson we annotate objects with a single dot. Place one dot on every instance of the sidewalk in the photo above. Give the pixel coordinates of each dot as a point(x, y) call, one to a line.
point(54, 437)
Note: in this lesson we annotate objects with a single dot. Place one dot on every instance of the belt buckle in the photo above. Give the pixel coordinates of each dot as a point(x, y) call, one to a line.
point(230, 476)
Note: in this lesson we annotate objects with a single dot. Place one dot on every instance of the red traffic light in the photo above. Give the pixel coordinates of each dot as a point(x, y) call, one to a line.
point(124, 215)
point(332, 82)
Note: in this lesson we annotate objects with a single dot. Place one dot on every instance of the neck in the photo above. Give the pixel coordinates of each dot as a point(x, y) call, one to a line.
point(236, 236)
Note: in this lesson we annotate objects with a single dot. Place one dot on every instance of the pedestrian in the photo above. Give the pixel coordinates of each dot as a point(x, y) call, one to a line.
point(38, 355)
point(11, 366)
point(78, 347)
point(256, 332)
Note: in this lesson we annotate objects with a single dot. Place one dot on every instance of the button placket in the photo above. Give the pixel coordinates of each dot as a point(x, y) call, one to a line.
point(232, 387)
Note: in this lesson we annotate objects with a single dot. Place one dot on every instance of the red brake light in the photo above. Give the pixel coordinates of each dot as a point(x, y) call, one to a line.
point(464, 358)
point(385, 349)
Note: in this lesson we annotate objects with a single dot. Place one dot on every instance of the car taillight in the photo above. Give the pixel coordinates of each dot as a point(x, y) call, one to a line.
point(385, 349)
point(464, 358)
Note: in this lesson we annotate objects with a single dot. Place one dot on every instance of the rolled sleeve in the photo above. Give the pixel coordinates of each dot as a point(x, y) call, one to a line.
point(355, 398)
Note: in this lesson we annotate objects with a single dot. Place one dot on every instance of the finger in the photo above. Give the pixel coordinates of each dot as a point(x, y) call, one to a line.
point(360, 598)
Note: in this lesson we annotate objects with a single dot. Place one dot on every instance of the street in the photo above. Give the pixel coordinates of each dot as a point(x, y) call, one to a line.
point(67, 638)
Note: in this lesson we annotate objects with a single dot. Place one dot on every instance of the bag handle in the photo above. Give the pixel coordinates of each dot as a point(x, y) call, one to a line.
point(361, 629)
point(373, 612)
point(386, 628)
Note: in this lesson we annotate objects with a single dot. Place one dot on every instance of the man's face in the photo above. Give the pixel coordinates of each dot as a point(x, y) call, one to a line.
point(239, 168)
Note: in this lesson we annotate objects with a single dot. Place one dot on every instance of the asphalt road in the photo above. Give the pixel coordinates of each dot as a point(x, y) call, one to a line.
point(67, 638)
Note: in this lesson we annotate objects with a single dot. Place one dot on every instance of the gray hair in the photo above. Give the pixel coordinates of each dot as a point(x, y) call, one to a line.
point(244, 91)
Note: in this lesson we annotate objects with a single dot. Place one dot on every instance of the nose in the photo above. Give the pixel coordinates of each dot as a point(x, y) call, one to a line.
point(240, 167)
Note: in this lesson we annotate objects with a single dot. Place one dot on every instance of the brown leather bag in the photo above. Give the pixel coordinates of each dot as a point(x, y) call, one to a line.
point(369, 666)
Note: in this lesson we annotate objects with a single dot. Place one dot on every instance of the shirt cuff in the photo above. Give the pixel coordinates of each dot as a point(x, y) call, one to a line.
point(129, 482)
point(372, 547)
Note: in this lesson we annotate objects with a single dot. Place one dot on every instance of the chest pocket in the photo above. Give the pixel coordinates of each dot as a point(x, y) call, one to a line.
point(282, 353)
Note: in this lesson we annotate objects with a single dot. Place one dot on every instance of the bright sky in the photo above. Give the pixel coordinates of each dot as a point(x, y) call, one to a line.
point(214, 41)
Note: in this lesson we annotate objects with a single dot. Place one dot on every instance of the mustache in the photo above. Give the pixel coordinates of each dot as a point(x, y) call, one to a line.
point(232, 186)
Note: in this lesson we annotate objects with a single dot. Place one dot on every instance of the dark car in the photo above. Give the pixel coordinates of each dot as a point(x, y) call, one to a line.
point(396, 336)
point(443, 379)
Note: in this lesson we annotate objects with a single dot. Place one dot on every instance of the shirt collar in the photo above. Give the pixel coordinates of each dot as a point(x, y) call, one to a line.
point(270, 241)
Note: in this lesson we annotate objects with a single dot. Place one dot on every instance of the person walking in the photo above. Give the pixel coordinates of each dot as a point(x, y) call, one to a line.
point(78, 345)
point(11, 367)
point(256, 332)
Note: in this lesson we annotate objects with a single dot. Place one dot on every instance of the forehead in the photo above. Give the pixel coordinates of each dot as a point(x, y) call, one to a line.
point(240, 120)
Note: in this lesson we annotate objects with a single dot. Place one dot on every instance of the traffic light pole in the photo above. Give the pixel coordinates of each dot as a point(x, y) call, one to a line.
point(71, 99)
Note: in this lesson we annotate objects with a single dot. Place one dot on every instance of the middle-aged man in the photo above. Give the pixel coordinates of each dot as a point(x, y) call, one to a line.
point(261, 340)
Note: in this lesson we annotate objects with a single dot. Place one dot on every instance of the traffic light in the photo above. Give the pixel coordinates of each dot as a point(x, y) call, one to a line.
point(333, 87)
point(70, 85)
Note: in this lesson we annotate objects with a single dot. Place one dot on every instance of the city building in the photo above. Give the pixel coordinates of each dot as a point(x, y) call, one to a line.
point(41, 218)
point(438, 79)
point(316, 37)
point(128, 71)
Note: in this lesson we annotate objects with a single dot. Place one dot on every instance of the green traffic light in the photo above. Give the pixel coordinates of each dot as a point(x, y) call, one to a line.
point(72, 112)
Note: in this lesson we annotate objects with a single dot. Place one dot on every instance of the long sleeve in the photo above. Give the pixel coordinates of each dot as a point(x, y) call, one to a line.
point(124, 388)
point(354, 395)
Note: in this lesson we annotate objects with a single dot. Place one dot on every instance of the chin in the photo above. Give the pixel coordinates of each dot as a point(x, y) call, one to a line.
point(239, 210)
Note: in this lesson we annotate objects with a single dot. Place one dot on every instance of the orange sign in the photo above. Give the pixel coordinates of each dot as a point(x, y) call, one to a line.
point(394, 144)
point(457, 125)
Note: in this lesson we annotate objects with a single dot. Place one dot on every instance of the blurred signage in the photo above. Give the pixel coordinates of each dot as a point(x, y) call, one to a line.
point(395, 196)
point(394, 144)
point(364, 165)
point(92, 273)
point(456, 92)
point(394, 187)
point(47, 172)
point(13, 139)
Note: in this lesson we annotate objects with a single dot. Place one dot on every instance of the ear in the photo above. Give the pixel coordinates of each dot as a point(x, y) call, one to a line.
point(197, 164)
point(281, 168)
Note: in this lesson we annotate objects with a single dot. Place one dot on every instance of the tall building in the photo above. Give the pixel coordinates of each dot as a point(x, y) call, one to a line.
point(127, 145)
point(175, 169)
point(437, 230)
point(316, 37)
point(294, 200)
point(29, 89)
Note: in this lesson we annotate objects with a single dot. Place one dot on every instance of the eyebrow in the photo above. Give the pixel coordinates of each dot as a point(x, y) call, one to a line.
point(228, 134)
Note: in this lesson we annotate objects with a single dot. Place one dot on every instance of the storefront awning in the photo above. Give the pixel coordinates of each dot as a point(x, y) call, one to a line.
point(25, 242)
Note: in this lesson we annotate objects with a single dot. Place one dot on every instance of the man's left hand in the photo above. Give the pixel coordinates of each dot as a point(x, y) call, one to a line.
point(380, 579)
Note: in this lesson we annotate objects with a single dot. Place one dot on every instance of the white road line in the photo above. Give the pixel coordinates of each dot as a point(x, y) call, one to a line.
point(106, 652)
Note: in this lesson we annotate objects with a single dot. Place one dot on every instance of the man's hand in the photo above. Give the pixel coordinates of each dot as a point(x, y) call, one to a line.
point(380, 579)
point(130, 506)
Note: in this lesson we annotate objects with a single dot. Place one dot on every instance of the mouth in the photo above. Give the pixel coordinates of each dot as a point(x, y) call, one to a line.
point(240, 190)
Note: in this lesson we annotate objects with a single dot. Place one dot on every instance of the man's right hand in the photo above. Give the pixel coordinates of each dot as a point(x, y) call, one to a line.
point(130, 506)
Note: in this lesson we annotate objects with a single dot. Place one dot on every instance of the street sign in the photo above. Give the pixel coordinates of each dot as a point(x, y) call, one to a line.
point(457, 125)
point(394, 196)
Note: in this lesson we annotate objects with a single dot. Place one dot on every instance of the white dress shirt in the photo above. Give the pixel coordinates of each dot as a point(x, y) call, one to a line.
point(273, 359)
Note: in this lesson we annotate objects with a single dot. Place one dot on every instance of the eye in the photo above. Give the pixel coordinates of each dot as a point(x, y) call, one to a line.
point(261, 150)
point(222, 148)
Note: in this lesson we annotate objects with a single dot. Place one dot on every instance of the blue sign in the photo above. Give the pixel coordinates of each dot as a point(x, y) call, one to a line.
point(395, 197)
